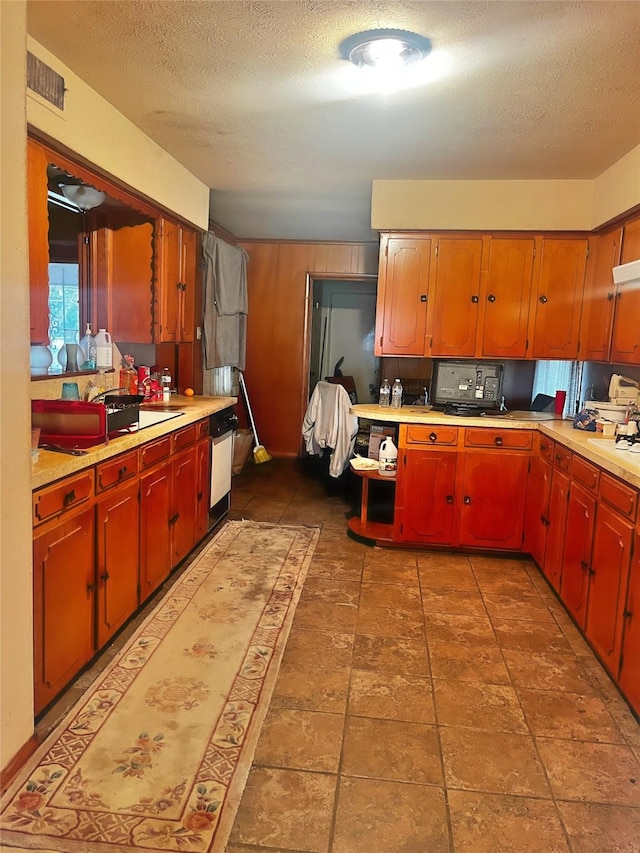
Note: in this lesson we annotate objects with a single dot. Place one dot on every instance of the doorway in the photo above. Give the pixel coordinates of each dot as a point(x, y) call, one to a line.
point(342, 334)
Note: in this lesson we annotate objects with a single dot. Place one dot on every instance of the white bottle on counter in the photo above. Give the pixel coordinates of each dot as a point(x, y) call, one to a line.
point(165, 383)
point(104, 351)
point(385, 393)
point(396, 394)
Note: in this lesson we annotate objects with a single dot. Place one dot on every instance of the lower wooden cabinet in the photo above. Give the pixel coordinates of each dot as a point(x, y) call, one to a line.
point(537, 507)
point(427, 482)
point(104, 539)
point(630, 657)
point(578, 541)
point(63, 596)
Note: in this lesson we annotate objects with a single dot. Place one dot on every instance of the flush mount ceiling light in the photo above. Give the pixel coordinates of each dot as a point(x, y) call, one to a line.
point(83, 197)
point(385, 49)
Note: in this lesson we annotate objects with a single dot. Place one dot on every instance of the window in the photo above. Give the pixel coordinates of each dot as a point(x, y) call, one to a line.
point(64, 306)
point(552, 376)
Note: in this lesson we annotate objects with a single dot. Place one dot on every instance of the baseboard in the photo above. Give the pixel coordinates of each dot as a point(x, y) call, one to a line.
point(26, 751)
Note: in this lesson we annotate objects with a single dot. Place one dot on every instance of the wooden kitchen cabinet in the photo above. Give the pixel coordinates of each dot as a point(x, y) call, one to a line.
point(175, 299)
point(630, 656)
point(556, 526)
point(493, 497)
point(557, 298)
point(38, 221)
point(609, 569)
point(456, 296)
point(63, 601)
point(537, 502)
point(625, 344)
point(155, 512)
point(599, 297)
point(117, 558)
point(203, 480)
point(183, 503)
point(578, 540)
point(403, 287)
point(507, 298)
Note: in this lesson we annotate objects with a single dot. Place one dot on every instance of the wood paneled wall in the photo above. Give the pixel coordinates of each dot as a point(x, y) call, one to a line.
point(278, 339)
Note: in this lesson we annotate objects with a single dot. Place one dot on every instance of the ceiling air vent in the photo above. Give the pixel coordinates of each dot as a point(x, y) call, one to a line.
point(44, 81)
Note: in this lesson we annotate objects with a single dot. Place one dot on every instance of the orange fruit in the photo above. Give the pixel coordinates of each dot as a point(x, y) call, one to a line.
point(189, 392)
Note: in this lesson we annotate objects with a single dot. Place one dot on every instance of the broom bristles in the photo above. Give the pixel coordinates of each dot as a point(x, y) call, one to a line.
point(260, 454)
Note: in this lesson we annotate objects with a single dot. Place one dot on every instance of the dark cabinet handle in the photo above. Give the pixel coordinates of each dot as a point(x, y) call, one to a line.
point(491, 298)
point(423, 297)
point(544, 521)
point(499, 441)
point(69, 498)
point(627, 614)
point(449, 499)
point(583, 565)
point(200, 496)
point(475, 298)
point(591, 571)
point(174, 518)
point(543, 299)
point(433, 436)
point(122, 472)
point(466, 500)
point(105, 577)
point(610, 297)
point(89, 588)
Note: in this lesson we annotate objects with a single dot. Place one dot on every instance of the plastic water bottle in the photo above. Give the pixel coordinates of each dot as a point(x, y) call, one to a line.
point(385, 394)
point(89, 349)
point(388, 458)
point(396, 394)
point(104, 352)
point(165, 384)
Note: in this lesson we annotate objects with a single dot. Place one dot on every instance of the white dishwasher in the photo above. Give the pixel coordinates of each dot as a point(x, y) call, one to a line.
point(222, 426)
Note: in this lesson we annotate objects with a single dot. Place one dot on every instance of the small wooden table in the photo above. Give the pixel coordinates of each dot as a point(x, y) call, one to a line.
point(378, 531)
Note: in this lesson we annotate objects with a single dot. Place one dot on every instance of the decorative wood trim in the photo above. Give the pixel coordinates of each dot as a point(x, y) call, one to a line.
point(26, 751)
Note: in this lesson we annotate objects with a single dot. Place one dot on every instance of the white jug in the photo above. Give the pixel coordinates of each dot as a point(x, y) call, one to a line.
point(388, 458)
point(104, 352)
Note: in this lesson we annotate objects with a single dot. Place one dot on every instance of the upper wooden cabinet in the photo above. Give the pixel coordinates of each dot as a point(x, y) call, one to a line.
point(175, 300)
point(599, 296)
point(508, 292)
point(37, 162)
point(403, 287)
point(456, 296)
point(557, 302)
point(625, 344)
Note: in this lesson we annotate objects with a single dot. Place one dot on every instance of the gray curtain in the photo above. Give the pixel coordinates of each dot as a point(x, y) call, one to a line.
point(225, 309)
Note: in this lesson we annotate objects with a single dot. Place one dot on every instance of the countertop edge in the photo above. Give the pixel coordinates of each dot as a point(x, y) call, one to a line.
point(51, 466)
point(557, 429)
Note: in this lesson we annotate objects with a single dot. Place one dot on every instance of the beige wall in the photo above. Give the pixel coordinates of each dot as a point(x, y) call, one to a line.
point(16, 652)
point(505, 205)
point(91, 127)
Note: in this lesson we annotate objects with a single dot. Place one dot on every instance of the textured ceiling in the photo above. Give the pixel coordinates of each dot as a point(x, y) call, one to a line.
point(255, 100)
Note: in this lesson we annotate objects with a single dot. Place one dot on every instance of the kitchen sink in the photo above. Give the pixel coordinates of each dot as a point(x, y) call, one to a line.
point(148, 418)
point(609, 447)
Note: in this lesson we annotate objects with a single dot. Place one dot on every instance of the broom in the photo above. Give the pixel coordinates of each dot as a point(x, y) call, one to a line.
point(260, 453)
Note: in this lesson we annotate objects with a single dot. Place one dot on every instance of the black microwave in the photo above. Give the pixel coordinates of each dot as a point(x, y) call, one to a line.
point(467, 387)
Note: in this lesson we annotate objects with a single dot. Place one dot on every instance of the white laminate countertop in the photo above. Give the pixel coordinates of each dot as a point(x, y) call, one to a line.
point(626, 466)
point(51, 466)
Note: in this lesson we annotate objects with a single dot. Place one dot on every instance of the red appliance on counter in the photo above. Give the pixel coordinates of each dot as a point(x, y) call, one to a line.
point(74, 423)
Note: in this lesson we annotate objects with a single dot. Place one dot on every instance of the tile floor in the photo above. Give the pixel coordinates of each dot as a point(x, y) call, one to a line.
point(427, 703)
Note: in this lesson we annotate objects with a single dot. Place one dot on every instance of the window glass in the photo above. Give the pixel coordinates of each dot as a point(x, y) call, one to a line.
point(64, 306)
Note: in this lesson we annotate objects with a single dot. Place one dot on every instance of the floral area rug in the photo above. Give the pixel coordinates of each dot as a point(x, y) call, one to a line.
point(156, 755)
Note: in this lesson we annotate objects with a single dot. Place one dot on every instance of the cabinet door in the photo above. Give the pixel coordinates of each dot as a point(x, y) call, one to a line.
point(63, 592)
point(456, 296)
point(537, 509)
point(493, 499)
point(625, 346)
point(203, 468)
point(578, 541)
point(37, 182)
point(630, 659)
point(130, 314)
point(187, 290)
point(610, 562)
point(401, 311)
point(427, 480)
point(183, 517)
point(155, 530)
point(557, 520)
point(558, 298)
point(167, 321)
point(118, 558)
point(599, 297)
point(506, 317)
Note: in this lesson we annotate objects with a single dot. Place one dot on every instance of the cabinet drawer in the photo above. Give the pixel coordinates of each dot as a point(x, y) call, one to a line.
point(585, 473)
point(432, 435)
point(116, 470)
point(155, 451)
point(511, 439)
point(618, 495)
point(63, 496)
point(202, 429)
point(562, 458)
point(546, 448)
point(183, 437)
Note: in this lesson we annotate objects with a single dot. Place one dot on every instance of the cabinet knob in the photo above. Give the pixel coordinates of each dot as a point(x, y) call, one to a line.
point(499, 441)
point(423, 297)
point(69, 498)
point(491, 298)
point(543, 299)
point(466, 500)
point(475, 298)
point(627, 614)
point(89, 588)
point(610, 297)
point(433, 436)
point(105, 577)
point(449, 499)
point(122, 472)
